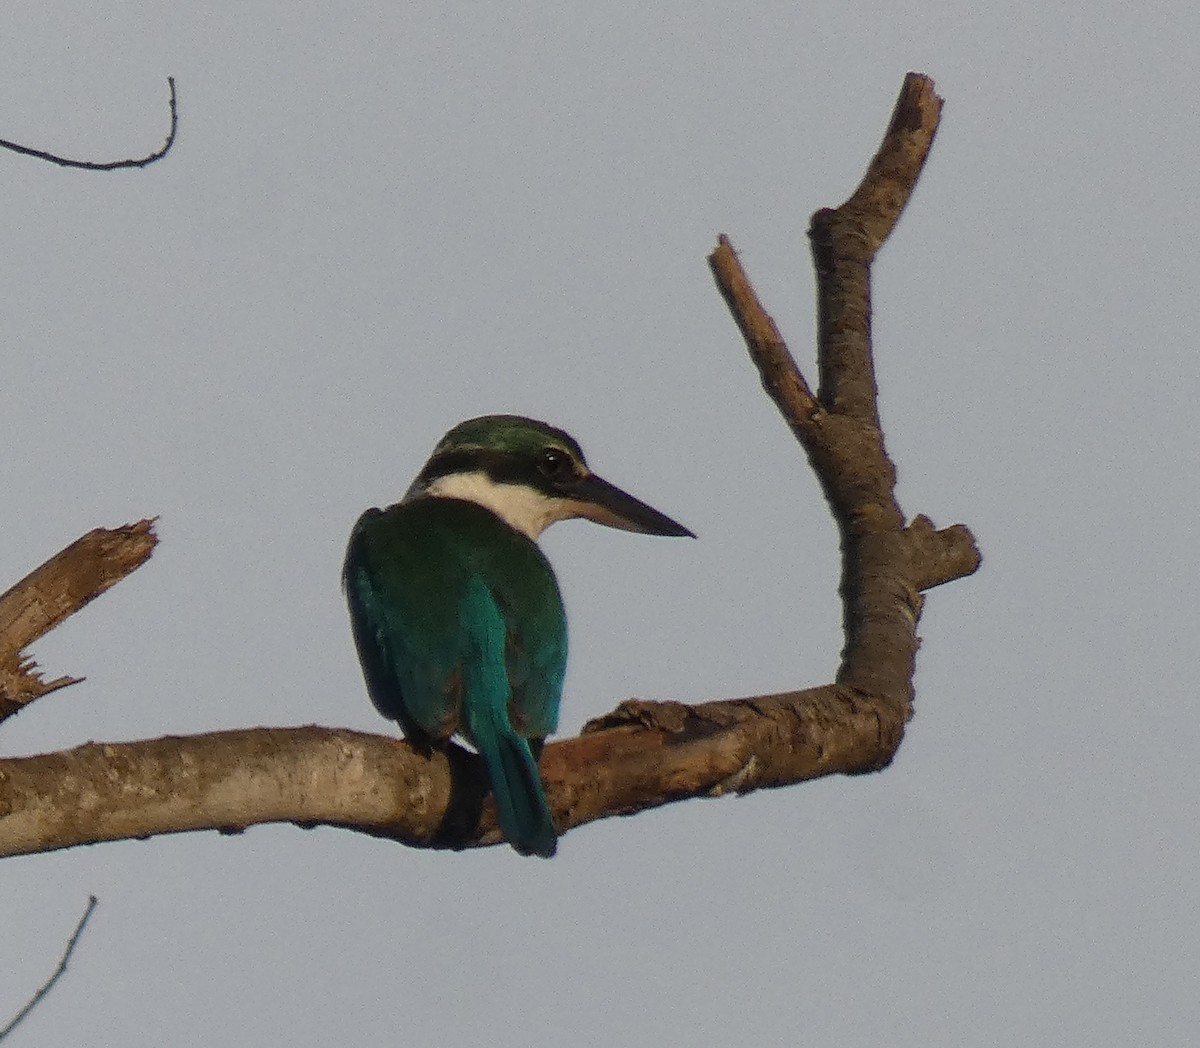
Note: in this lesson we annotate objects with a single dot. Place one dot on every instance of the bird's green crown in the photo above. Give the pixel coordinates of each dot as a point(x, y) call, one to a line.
point(509, 449)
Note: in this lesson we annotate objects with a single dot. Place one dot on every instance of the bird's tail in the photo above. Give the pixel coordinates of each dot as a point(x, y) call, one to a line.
point(521, 807)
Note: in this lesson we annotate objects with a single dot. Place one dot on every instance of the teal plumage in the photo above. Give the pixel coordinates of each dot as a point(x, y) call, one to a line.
point(460, 628)
point(456, 614)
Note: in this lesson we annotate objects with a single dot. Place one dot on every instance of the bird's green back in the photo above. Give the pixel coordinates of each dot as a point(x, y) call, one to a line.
point(414, 574)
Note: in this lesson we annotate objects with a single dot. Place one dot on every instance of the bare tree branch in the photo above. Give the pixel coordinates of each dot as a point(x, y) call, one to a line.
point(643, 754)
point(107, 165)
point(884, 566)
point(69, 580)
point(640, 756)
point(48, 985)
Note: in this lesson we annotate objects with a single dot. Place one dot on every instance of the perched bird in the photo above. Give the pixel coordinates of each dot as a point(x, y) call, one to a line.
point(456, 613)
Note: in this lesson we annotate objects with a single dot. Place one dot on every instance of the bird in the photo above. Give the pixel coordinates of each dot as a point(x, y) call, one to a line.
point(456, 613)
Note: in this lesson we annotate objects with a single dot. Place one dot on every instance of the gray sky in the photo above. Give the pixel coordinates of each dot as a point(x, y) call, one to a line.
point(375, 225)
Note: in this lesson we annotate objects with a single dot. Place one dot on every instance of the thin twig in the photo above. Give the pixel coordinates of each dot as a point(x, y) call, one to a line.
point(108, 165)
point(36, 999)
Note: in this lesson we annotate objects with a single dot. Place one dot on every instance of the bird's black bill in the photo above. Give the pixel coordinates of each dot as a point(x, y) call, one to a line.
point(605, 503)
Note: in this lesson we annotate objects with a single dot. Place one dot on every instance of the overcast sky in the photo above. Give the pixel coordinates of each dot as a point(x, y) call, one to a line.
point(382, 218)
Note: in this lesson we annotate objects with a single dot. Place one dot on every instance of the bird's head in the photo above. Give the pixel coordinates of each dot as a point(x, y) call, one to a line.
point(530, 474)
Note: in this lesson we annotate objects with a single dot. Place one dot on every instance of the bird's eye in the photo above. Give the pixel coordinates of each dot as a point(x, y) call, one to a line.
point(556, 464)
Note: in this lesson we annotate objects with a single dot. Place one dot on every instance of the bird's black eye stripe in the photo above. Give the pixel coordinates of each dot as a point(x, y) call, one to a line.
point(552, 463)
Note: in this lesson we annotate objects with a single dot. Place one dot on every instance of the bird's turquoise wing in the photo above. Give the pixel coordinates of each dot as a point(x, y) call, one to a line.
point(535, 637)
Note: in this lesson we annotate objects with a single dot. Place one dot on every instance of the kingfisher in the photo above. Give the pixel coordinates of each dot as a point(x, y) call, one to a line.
point(455, 610)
